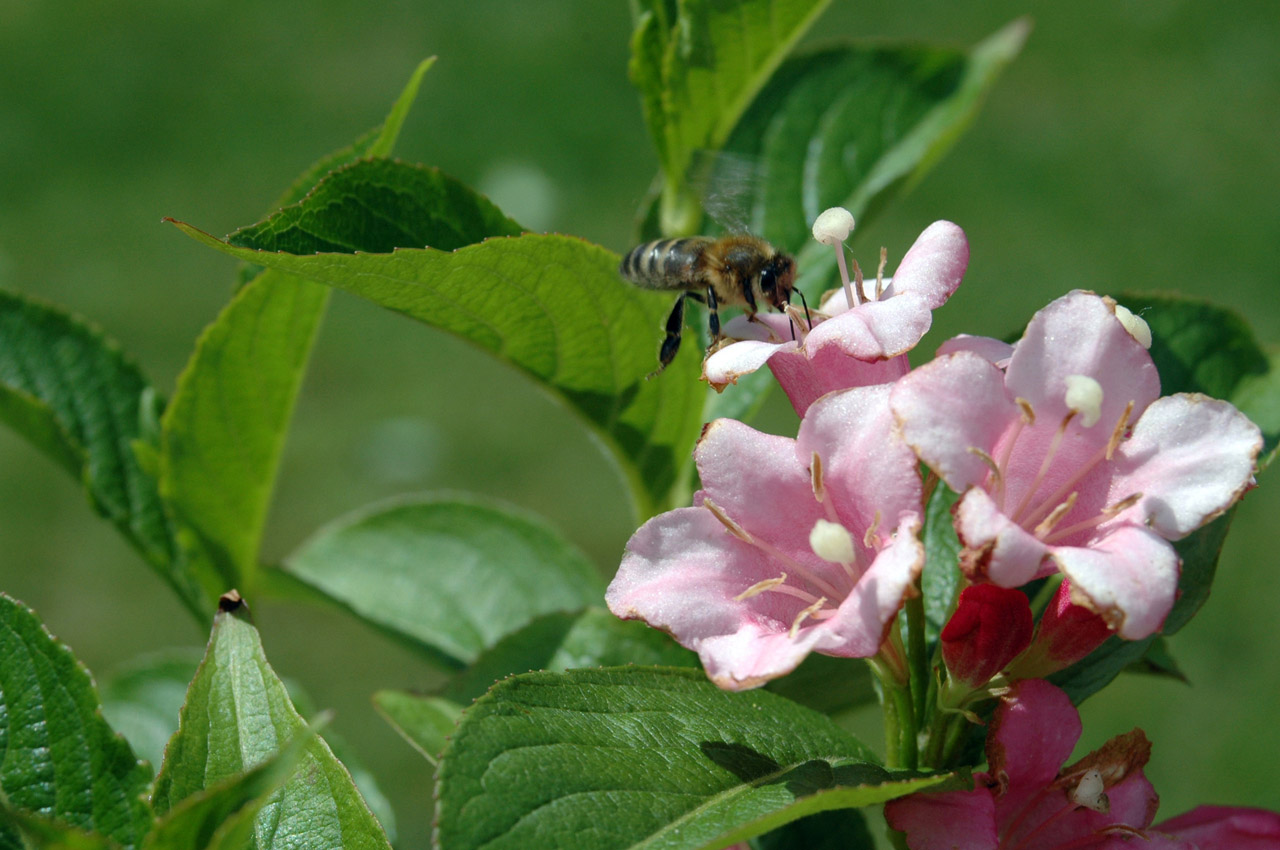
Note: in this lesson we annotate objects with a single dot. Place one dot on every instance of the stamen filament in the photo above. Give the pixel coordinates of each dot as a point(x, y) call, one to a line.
point(1097, 519)
point(884, 258)
point(760, 587)
point(804, 615)
point(769, 549)
point(788, 590)
point(1104, 453)
point(1055, 516)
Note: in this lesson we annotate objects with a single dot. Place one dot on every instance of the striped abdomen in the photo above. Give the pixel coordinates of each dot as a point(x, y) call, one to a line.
point(666, 264)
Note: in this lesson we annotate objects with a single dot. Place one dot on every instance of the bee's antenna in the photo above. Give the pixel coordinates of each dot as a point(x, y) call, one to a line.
point(807, 318)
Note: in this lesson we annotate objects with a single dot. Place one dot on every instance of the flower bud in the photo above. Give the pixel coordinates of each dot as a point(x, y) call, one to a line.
point(1067, 633)
point(990, 627)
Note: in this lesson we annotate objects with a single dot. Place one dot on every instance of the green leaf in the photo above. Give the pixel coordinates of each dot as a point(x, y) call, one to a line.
point(71, 391)
point(653, 757)
point(698, 70)
point(377, 206)
point(562, 641)
point(854, 125)
point(236, 716)
point(223, 434)
point(827, 684)
point(1201, 347)
point(24, 831)
point(58, 757)
point(1091, 674)
point(555, 307)
point(426, 722)
point(222, 816)
point(142, 700)
point(1159, 661)
point(1199, 553)
point(379, 141)
point(940, 582)
point(839, 829)
point(450, 577)
point(851, 126)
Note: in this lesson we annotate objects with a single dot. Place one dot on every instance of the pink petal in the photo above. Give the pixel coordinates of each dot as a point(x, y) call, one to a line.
point(1226, 828)
point(874, 330)
point(996, 549)
point(730, 363)
point(954, 820)
point(934, 266)
point(682, 572)
point(950, 405)
point(1129, 577)
point(1078, 334)
point(755, 479)
point(806, 378)
point(858, 628)
point(762, 327)
point(1191, 457)
point(1032, 734)
point(866, 468)
point(996, 351)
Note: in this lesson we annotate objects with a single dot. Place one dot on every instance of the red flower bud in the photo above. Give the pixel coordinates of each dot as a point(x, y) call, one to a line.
point(1067, 633)
point(990, 627)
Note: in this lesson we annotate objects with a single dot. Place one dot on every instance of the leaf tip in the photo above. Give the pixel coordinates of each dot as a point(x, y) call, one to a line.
point(231, 601)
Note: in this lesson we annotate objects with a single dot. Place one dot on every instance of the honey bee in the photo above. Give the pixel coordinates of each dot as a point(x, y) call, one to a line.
point(738, 271)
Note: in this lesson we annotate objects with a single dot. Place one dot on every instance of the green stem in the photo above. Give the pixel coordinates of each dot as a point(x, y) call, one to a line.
point(917, 660)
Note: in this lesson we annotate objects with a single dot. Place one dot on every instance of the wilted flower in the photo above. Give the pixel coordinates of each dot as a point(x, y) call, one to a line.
point(857, 337)
point(1068, 460)
point(792, 546)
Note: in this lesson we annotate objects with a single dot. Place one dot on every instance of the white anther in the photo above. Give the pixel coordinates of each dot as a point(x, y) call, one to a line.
point(1091, 793)
point(833, 226)
point(831, 541)
point(1135, 325)
point(1084, 396)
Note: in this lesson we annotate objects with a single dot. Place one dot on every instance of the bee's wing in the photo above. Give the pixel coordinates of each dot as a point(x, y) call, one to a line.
point(731, 188)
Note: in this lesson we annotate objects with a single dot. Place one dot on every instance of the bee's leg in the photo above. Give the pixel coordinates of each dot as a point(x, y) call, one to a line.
point(713, 315)
point(671, 342)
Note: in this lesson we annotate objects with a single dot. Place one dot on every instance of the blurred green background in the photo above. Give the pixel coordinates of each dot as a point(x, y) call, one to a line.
point(1133, 146)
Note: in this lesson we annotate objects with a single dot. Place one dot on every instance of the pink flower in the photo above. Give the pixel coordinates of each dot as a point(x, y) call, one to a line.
point(793, 545)
point(1069, 461)
point(1029, 801)
point(846, 347)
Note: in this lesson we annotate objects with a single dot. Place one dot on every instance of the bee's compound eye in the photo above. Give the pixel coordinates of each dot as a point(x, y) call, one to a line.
point(768, 281)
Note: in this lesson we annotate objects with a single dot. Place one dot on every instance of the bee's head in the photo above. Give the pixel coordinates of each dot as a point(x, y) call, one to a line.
point(777, 279)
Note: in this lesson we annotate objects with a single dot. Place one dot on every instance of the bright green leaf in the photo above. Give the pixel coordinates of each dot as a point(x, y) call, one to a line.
point(426, 722)
point(555, 307)
point(72, 392)
point(451, 577)
point(236, 716)
point(222, 817)
point(225, 430)
point(566, 640)
point(644, 757)
point(223, 434)
point(58, 757)
point(377, 206)
point(379, 142)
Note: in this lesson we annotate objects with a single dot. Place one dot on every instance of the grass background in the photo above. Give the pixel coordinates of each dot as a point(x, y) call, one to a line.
point(1133, 146)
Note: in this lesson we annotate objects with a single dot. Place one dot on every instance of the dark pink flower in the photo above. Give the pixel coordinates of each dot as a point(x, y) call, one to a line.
point(848, 345)
point(1069, 461)
point(792, 546)
point(1027, 800)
